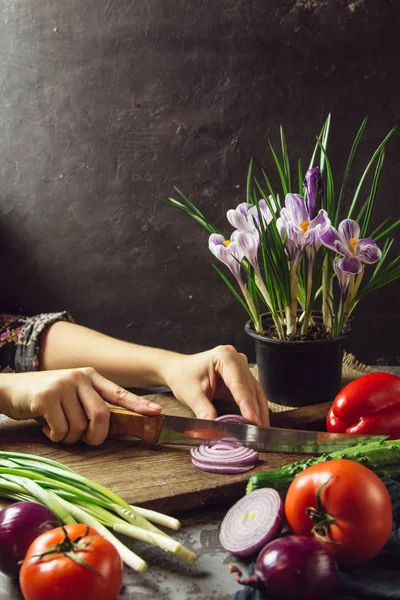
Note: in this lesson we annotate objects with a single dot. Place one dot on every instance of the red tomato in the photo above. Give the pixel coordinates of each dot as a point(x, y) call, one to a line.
point(52, 570)
point(354, 502)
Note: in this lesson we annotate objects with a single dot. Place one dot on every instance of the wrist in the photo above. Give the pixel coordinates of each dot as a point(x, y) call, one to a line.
point(158, 366)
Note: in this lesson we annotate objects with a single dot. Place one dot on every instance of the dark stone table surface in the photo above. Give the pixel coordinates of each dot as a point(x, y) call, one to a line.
point(168, 579)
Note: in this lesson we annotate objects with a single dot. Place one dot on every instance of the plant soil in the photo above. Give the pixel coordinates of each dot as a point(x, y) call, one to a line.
point(317, 331)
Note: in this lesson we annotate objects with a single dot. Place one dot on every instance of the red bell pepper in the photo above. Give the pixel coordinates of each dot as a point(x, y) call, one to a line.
point(368, 405)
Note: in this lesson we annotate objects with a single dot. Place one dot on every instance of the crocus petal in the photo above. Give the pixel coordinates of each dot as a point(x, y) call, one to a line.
point(321, 221)
point(285, 216)
point(221, 252)
point(313, 185)
point(215, 239)
point(291, 249)
point(350, 230)
point(235, 250)
point(350, 265)
point(317, 226)
point(290, 246)
point(224, 253)
point(330, 238)
point(254, 214)
point(238, 220)
point(247, 244)
point(368, 251)
point(342, 248)
point(265, 211)
point(253, 218)
point(265, 207)
point(280, 225)
point(244, 208)
point(343, 276)
point(297, 207)
point(239, 217)
point(297, 237)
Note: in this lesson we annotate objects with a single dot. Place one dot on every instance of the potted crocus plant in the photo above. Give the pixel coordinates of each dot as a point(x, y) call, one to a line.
point(300, 260)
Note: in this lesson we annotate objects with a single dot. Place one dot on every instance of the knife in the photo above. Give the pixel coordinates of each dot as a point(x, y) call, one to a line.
point(166, 429)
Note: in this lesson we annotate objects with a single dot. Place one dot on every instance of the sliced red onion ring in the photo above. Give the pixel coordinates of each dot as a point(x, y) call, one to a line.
point(223, 469)
point(224, 456)
point(252, 522)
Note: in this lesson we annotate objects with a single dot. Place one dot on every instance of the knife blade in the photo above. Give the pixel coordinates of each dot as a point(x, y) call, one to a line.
point(166, 429)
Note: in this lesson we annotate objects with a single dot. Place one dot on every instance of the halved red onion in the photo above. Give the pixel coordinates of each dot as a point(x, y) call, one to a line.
point(252, 522)
point(224, 456)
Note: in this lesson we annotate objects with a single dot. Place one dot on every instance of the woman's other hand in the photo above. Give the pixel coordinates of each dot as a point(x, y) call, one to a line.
point(71, 401)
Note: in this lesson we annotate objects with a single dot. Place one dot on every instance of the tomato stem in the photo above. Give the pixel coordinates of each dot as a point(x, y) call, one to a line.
point(70, 548)
point(321, 518)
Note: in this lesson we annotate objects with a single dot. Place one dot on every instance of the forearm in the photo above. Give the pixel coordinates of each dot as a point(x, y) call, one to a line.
point(67, 345)
point(4, 393)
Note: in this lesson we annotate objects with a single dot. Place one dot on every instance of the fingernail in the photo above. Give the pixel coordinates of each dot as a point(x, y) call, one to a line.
point(153, 405)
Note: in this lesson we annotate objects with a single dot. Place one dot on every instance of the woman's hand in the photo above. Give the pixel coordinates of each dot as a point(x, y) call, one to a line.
point(71, 401)
point(218, 373)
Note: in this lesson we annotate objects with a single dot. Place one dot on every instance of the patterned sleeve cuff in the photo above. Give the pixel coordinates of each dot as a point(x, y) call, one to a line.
point(20, 340)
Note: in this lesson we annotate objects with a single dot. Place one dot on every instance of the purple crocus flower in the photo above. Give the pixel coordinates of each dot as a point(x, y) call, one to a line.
point(247, 243)
point(245, 216)
point(227, 251)
point(347, 242)
point(231, 253)
point(239, 218)
point(313, 185)
point(295, 221)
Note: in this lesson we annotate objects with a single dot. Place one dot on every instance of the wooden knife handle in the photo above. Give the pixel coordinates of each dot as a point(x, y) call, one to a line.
point(125, 422)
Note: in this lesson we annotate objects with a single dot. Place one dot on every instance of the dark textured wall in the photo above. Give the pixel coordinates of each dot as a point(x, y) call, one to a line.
point(106, 103)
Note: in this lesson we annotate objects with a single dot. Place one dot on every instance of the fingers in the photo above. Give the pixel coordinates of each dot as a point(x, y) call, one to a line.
point(233, 368)
point(56, 426)
point(97, 415)
point(201, 406)
point(118, 396)
point(93, 390)
point(262, 402)
point(76, 417)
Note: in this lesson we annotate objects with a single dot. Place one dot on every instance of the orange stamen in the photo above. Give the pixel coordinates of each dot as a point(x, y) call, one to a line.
point(353, 245)
point(227, 242)
point(304, 226)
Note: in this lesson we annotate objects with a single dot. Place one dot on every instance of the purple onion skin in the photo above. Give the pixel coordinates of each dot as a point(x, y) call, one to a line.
point(20, 524)
point(296, 568)
point(233, 419)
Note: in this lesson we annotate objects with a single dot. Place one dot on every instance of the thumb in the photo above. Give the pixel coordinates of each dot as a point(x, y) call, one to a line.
point(119, 396)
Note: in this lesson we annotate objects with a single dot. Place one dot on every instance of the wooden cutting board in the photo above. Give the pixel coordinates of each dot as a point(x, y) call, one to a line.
point(162, 478)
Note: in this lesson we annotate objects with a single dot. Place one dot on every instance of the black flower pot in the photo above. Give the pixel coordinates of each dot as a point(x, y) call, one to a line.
point(298, 373)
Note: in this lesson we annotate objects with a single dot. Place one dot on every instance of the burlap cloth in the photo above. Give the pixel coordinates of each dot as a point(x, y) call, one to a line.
point(352, 369)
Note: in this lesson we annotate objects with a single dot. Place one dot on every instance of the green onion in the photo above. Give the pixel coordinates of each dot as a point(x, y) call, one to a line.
point(74, 498)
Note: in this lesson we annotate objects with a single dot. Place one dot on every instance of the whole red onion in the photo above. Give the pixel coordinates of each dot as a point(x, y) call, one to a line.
point(296, 568)
point(20, 524)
